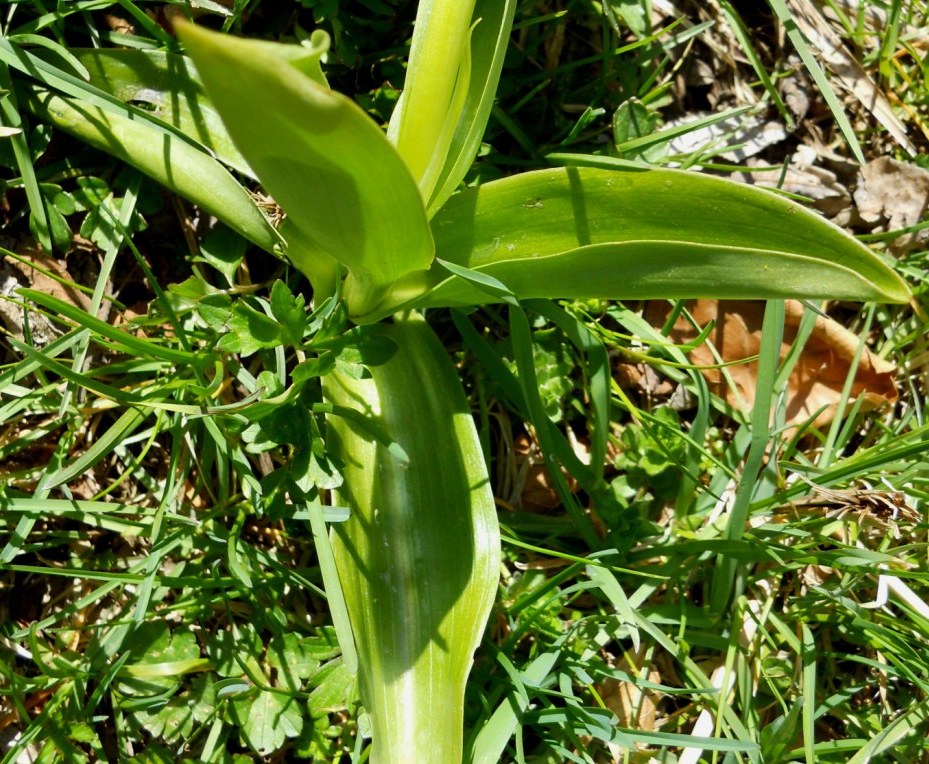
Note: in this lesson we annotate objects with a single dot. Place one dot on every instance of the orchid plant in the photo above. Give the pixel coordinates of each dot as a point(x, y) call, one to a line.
point(381, 223)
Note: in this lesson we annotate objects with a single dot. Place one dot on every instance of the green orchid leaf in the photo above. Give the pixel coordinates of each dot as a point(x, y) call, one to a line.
point(167, 87)
point(436, 88)
point(633, 234)
point(419, 555)
point(305, 58)
point(310, 259)
point(332, 170)
point(489, 39)
point(171, 161)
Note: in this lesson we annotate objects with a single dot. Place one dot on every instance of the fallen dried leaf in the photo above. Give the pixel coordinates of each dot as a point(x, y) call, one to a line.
point(804, 178)
point(118, 24)
point(633, 706)
point(749, 133)
point(893, 195)
point(644, 377)
point(815, 385)
point(535, 491)
point(35, 269)
point(851, 74)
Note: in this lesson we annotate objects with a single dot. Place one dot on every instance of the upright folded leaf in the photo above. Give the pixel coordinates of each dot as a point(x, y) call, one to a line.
point(419, 557)
point(331, 169)
point(437, 80)
point(489, 39)
point(583, 232)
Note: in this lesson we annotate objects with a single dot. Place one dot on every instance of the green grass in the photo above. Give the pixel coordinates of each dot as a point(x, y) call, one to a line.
point(161, 595)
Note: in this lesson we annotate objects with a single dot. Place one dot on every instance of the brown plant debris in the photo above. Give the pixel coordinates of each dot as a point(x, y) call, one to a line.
point(892, 195)
point(814, 389)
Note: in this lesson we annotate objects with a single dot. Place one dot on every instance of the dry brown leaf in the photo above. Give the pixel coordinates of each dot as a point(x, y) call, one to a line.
point(804, 178)
point(796, 91)
point(875, 18)
point(751, 134)
point(45, 273)
point(535, 490)
point(118, 24)
point(633, 706)
point(42, 272)
point(819, 375)
point(851, 74)
point(813, 576)
point(893, 195)
point(644, 377)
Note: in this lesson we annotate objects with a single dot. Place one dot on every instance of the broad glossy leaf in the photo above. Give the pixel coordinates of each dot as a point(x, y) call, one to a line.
point(313, 261)
point(332, 170)
point(584, 232)
point(173, 162)
point(419, 556)
point(166, 85)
